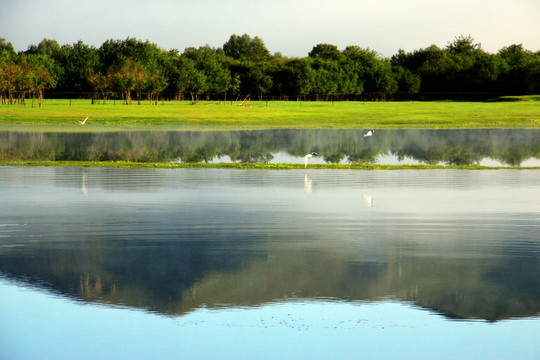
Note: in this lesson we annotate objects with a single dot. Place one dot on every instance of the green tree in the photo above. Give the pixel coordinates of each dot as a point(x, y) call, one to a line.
point(142, 64)
point(213, 67)
point(521, 71)
point(260, 79)
point(326, 76)
point(407, 81)
point(126, 78)
point(373, 72)
point(326, 52)
point(464, 46)
point(43, 74)
point(189, 79)
point(296, 77)
point(10, 74)
point(45, 47)
point(29, 74)
point(432, 64)
point(246, 48)
point(516, 56)
point(7, 54)
point(6, 47)
point(77, 60)
point(101, 83)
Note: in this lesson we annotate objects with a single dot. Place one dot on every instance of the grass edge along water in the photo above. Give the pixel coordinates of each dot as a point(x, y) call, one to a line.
point(255, 166)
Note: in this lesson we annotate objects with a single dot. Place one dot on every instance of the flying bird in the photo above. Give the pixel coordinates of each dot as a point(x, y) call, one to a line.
point(369, 133)
point(84, 121)
point(306, 158)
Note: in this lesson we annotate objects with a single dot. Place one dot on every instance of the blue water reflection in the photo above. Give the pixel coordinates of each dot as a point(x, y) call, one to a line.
point(61, 329)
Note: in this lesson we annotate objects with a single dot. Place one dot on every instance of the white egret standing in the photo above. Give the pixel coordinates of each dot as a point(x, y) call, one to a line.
point(84, 121)
point(306, 158)
point(369, 133)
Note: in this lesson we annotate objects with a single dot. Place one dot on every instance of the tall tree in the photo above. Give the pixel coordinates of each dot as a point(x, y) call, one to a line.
point(7, 55)
point(300, 77)
point(374, 72)
point(134, 65)
point(77, 60)
point(214, 68)
point(6, 46)
point(261, 81)
point(245, 48)
point(10, 74)
point(101, 83)
point(46, 47)
point(189, 78)
point(326, 77)
point(326, 52)
point(43, 74)
point(521, 75)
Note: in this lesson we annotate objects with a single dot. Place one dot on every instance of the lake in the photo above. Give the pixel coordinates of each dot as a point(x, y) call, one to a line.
point(217, 263)
point(487, 147)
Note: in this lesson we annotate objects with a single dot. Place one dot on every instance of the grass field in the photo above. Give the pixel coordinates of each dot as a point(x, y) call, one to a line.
point(63, 115)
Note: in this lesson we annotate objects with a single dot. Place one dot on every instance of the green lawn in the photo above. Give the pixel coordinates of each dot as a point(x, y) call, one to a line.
point(63, 115)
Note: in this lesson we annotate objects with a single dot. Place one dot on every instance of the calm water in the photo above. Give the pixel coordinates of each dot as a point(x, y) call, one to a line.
point(488, 147)
point(213, 263)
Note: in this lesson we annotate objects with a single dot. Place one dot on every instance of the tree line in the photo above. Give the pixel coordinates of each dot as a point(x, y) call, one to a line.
point(133, 70)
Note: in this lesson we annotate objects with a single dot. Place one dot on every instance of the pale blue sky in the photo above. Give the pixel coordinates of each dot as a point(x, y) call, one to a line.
point(291, 27)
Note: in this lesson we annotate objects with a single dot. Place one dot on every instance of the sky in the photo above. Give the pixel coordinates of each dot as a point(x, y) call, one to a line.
point(291, 27)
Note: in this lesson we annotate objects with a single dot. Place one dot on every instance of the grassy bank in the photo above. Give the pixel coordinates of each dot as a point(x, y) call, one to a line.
point(63, 115)
point(255, 166)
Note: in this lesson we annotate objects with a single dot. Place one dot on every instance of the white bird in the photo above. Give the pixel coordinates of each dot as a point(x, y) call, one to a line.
point(84, 121)
point(306, 158)
point(369, 133)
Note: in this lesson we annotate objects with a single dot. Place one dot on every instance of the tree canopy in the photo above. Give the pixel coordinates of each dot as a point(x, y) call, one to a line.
point(132, 69)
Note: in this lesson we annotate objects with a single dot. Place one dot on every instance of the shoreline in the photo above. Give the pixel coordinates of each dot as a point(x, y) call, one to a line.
point(253, 166)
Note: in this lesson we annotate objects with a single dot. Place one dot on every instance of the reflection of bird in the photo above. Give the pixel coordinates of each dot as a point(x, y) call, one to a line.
point(84, 187)
point(308, 184)
point(84, 121)
point(368, 200)
point(308, 156)
point(369, 133)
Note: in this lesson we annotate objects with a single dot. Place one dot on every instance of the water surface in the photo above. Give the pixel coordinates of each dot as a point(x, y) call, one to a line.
point(421, 263)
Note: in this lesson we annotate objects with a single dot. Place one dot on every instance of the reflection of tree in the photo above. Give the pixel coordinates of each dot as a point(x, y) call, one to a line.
point(453, 147)
point(365, 156)
point(512, 155)
point(333, 158)
point(462, 156)
point(253, 158)
point(154, 278)
point(178, 276)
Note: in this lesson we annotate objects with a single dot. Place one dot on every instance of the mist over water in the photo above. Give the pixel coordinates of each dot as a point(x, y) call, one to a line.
point(490, 147)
